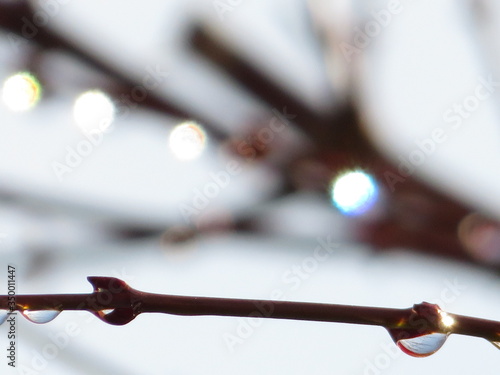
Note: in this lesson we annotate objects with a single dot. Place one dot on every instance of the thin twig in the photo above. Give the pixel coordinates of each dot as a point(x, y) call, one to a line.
point(114, 302)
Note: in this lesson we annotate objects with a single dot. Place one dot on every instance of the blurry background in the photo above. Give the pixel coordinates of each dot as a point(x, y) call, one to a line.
point(321, 151)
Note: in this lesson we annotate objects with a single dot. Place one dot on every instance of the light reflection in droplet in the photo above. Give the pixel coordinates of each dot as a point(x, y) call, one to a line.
point(446, 319)
point(40, 316)
point(187, 141)
point(21, 91)
point(94, 111)
point(423, 346)
point(354, 192)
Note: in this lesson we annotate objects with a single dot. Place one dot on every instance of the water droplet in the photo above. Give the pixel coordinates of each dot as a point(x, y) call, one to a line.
point(40, 316)
point(119, 316)
point(3, 316)
point(419, 346)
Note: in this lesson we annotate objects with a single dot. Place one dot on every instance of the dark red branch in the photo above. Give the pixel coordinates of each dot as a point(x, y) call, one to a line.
point(114, 302)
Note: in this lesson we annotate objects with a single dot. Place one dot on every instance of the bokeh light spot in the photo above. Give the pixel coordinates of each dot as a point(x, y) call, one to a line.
point(21, 91)
point(480, 237)
point(354, 192)
point(94, 111)
point(187, 141)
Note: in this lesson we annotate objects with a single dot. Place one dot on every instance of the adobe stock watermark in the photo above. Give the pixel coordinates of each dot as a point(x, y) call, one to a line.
point(463, 110)
point(57, 342)
point(221, 179)
point(47, 10)
point(454, 118)
point(291, 280)
point(390, 352)
point(76, 154)
point(12, 335)
point(363, 37)
point(222, 7)
point(406, 167)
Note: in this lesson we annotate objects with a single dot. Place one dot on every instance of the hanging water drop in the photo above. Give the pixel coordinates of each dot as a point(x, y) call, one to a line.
point(118, 316)
point(423, 346)
point(419, 346)
point(40, 316)
point(3, 316)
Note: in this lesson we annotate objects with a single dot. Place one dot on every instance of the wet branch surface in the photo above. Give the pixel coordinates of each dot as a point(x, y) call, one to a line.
point(116, 303)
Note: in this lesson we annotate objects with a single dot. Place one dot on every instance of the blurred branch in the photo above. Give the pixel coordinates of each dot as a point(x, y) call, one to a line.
point(11, 20)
